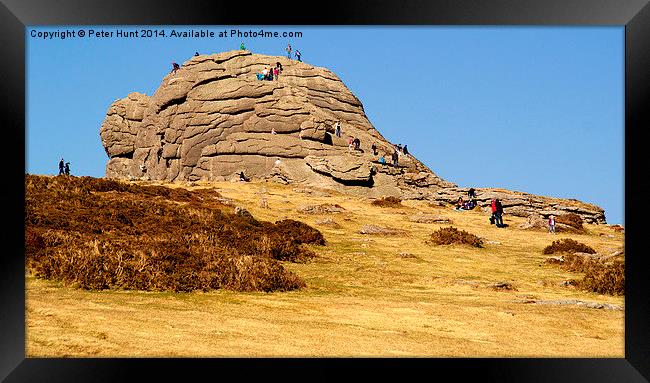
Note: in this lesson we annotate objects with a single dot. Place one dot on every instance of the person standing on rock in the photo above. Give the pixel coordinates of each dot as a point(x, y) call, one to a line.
point(242, 46)
point(337, 129)
point(276, 72)
point(551, 224)
point(374, 149)
point(196, 54)
point(395, 158)
point(406, 152)
point(288, 51)
point(298, 55)
point(67, 168)
point(61, 171)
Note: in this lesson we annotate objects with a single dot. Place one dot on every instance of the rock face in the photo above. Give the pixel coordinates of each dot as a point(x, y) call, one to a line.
point(213, 118)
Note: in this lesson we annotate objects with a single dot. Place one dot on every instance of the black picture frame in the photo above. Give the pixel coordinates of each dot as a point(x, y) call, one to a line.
point(15, 15)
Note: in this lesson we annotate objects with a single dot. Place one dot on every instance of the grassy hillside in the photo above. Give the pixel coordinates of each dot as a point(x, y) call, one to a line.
point(395, 293)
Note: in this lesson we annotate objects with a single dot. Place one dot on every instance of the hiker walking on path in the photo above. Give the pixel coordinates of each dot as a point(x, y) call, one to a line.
point(61, 171)
point(298, 55)
point(551, 224)
point(67, 168)
point(395, 158)
point(288, 51)
point(337, 129)
point(499, 213)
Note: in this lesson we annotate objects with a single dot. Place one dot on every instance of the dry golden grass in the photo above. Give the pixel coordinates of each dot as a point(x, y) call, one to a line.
point(362, 298)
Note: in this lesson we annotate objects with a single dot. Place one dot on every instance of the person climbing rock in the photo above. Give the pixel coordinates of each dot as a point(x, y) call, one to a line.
point(288, 51)
point(175, 67)
point(242, 47)
point(357, 143)
point(242, 177)
point(67, 168)
point(399, 147)
point(196, 54)
point(276, 72)
point(337, 128)
point(395, 158)
point(374, 149)
point(298, 55)
point(273, 131)
point(61, 167)
point(350, 143)
point(279, 66)
point(405, 151)
point(471, 193)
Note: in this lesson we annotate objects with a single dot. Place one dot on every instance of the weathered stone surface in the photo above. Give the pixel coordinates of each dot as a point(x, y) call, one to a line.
point(212, 119)
point(380, 230)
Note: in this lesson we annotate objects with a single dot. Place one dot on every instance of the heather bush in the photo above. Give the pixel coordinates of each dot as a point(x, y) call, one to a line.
point(98, 234)
point(568, 245)
point(389, 201)
point(451, 235)
point(570, 219)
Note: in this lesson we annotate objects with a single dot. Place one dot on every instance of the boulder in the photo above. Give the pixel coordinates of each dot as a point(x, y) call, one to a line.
point(213, 118)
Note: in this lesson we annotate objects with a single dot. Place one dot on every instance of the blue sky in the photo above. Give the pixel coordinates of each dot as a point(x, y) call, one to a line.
point(534, 109)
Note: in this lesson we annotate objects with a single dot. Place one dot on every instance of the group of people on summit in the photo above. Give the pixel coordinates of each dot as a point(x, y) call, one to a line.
point(268, 73)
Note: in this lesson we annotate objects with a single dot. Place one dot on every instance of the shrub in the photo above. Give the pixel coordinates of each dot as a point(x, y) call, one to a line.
point(98, 234)
point(300, 232)
point(605, 278)
point(570, 219)
point(451, 235)
point(568, 245)
point(389, 201)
